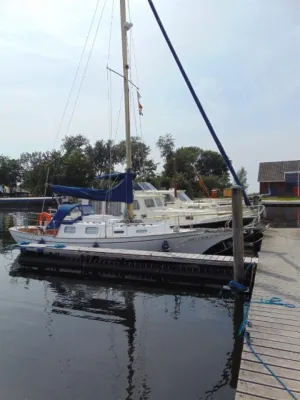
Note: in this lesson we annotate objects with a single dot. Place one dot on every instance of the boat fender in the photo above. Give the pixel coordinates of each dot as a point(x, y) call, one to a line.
point(95, 244)
point(42, 241)
point(165, 246)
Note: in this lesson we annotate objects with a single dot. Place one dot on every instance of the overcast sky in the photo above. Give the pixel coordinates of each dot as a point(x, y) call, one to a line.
point(242, 56)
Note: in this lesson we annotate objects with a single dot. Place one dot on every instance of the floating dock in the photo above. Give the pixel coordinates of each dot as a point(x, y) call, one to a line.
point(274, 330)
point(130, 264)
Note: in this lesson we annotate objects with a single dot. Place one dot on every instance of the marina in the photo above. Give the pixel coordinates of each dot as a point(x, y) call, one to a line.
point(149, 269)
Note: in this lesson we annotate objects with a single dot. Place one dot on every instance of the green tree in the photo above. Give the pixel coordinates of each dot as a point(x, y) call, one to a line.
point(211, 163)
point(213, 170)
point(142, 164)
point(242, 175)
point(166, 145)
point(71, 143)
point(184, 157)
point(10, 172)
point(35, 170)
point(103, 155)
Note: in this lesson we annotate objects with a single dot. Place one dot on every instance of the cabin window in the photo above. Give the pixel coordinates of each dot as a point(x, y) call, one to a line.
point(88, 209)
point(149, 203)
point(113, 208)
point(118, 231)
point(70, 229)
point(92, 230)
point(169, 198)
point(159, 202)
point(189, 217)
point(136, 205)
point(183, 197)
point(141, 231)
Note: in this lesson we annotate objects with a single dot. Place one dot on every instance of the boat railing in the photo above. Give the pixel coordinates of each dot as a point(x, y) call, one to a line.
point(24, 219)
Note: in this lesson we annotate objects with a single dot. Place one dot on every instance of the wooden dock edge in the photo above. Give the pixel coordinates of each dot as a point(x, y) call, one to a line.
point(275, 330)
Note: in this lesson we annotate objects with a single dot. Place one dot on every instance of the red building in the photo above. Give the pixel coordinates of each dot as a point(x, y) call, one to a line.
point(279, 178)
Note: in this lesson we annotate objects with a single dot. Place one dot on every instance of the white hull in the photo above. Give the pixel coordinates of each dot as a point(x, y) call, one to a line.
point(204, 221)
point(195, 241)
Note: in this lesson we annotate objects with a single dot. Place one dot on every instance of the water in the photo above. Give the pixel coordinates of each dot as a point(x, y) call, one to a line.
point(67, 339)
point(283, 216)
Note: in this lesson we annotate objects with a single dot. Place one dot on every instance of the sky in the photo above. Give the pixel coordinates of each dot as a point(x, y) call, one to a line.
point(242, 57)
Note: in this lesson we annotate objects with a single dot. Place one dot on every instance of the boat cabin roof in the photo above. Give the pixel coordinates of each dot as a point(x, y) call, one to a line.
point(66, 209)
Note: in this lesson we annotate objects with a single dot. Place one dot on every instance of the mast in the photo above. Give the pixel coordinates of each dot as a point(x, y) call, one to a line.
point(174, 177)
point(125, 26)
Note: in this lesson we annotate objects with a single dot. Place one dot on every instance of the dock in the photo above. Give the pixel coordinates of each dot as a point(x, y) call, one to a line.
point(127, 264)
point(274, 330)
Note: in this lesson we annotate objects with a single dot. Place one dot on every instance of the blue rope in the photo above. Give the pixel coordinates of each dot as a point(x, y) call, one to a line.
point(276, 301)
point(248, 341)
point(246, 322)
point(25, 243)
point(272, 301)
point(57, 246)
point(249, 267)
point(237, 287)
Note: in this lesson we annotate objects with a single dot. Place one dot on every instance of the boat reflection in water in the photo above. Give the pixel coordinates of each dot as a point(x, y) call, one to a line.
point(130, 343)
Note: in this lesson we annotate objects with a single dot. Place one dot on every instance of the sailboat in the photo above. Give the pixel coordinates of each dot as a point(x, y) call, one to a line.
point(72, 225)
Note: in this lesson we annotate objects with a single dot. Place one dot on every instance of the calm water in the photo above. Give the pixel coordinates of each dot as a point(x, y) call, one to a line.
point(68, 339)
point(283, 216)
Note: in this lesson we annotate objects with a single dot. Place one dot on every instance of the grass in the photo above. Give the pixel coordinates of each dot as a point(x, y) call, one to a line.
point(281, 198)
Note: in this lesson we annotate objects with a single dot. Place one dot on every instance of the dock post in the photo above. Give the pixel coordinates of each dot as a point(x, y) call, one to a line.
point(238, 234)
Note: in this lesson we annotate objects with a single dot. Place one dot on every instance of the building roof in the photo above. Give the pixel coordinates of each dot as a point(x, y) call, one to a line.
point(274, 171)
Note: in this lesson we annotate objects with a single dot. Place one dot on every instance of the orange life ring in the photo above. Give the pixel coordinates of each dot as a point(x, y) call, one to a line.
point(43, 216)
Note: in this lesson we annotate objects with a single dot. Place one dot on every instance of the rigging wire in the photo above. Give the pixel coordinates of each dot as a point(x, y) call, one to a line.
point(138, 134)
point(76, 73)
point(69, 96)
point(118, 117)
point(110, 31)
point(86, 67)
point(109, 93)
point(139, 145)
point(109, 123)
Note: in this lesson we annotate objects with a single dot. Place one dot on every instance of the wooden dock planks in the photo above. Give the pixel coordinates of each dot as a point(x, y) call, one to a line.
point(275, 330)
point(137, 255)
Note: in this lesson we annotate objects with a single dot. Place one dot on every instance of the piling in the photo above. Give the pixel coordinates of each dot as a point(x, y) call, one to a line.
point(238, 234)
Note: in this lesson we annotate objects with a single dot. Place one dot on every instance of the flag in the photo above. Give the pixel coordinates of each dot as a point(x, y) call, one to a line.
point(139, 104)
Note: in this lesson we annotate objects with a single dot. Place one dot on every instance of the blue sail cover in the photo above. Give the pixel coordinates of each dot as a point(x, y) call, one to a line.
point(123, 192)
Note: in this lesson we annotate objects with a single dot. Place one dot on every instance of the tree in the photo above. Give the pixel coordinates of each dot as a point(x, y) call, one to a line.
point(10, 172)
point(142, 164)
point(166, 145)
point(213, 170)
point(35, 170)
point(71, 143)
point(183, 157)
point(211, 163)
point(242, 175)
